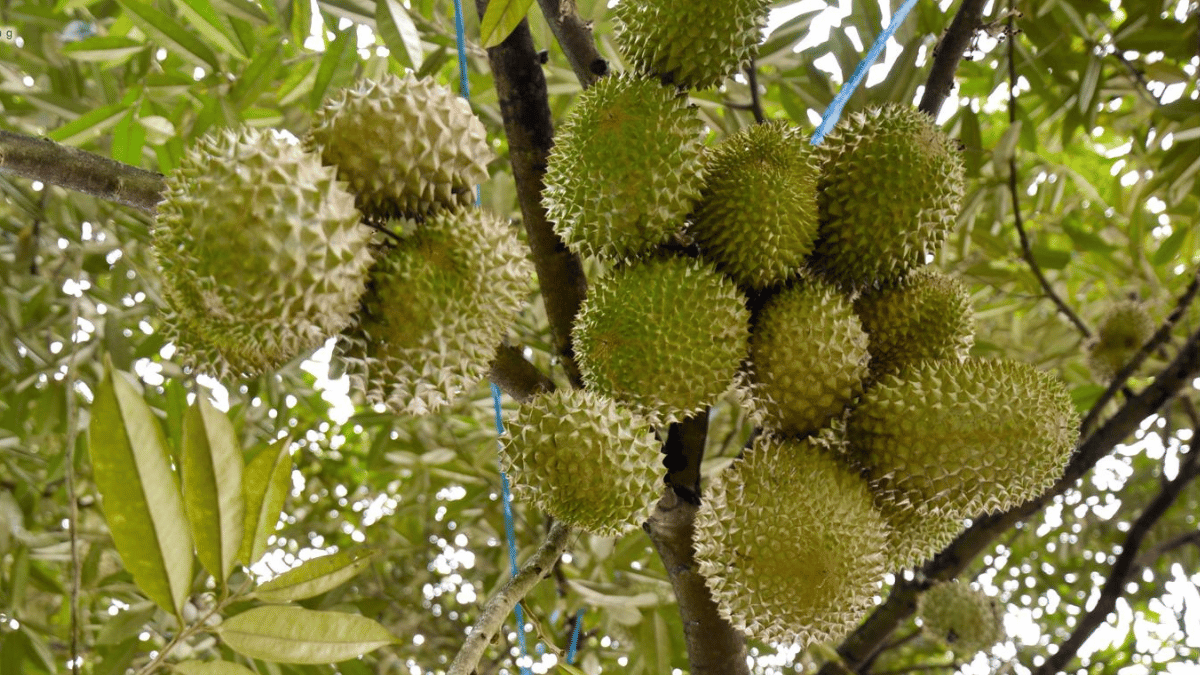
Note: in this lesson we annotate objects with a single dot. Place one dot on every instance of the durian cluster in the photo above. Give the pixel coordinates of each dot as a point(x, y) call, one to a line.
point(361, 231)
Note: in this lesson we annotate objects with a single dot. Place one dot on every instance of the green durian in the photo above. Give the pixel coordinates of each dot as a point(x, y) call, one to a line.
point(808, 358)
point(262, 252)
point(914, 536)
point(757, 214)
point(584, 460)
point(966, 620)
point(926, 315)
point(625, 169)
point(961, 438)
point(664, 337)
point(1122, 332)
point(890, 189)
point(789, 543)
point(437, 307)
point(406, 145)
point(694, 45)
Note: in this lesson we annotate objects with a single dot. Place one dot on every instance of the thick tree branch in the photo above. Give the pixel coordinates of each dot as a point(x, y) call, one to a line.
point(574, 35)
point(684, 452)
point(948, 53)
point(44, 160)
point(521, 88)
point(714, 647)
point(497, 609)
point(517, 377)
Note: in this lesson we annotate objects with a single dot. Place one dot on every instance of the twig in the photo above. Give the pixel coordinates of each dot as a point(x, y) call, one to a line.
point(384, 230)
point(1026, 250)
point(1153, 553)
point(948, 53)
point(574, 35)
point(497, 609)
point(44, 160)
point(755, 100)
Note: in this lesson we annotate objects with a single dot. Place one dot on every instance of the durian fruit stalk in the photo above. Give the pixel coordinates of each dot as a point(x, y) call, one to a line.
point(437, 307)
point(1122, 332)
point(584, 460)
point(964, 619)
point(757, 215)
point(625, 169)
point(961, 438)
point(789, 543)
point(890, 189)
point(406, 145)
point(262, 252)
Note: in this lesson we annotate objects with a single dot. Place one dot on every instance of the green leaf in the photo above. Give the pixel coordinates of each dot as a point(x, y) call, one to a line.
point(315, 576)
point(89, 125)
point(501, 19)
point(244, 10)
point(127, 140)
point(287, 634)
point(399, 32)
point(211, 668)
point(570, 670)
point(250, 84)
point(125, 625)
point(170, 34)
point(334, 51)
point(265, 484)
point(103, 49)
point(142, 503)
point(203, 16)
point(1050, 258)
point(1169, 249)
point(972, 140)
point(212, 487)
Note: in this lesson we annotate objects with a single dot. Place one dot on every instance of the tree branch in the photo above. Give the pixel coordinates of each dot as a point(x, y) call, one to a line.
point(521, 89)
point(44, 160)
point(684, 452)
point(755, 100)
point(574, 35)
point(516, 376)
point(948, 53)
point(497, 609)
point(1153, 553)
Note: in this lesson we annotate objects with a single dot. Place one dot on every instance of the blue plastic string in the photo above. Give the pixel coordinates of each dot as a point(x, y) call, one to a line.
point(575, 636)
point(834, 111)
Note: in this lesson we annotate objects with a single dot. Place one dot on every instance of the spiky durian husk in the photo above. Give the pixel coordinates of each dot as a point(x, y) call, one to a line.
point(914, 536)
point(757, 214)
point(808, 358)
point(789, 543)
point(263, 254)
point(625, 168)
point(965, 619)
point(436, 309)
point(889, 192)
point(1122, 331)
point(964, 437)
point(584, 460)
point(406, 145)
point(927, 315)
point(694, 45)
point(664, 337)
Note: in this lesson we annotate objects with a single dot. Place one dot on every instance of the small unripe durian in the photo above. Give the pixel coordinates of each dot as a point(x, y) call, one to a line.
point(584, 460)
point(1122, 332)
point(927, 315)
point(694, 45)
point(625, 168)
point(965, 437)
point(757, 215)
point(890, 189)
point(664, 337)
point(406, 145)
point(263, 254)
point(437, 307)
point(808, 356)
point(913, 536)
point(964, 619)
point(789, 543)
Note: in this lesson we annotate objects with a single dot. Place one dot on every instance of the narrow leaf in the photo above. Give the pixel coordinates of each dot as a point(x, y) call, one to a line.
point(501, 19)
point(127, 140)
point(203, 17)
point(315, 576)
point(103, 49)
point(334, 51)
point(89, 125)
point(170, 34)
point(287, 634)
point(211, 668)
point(264, 484)
point(399, 32)
point(243, 9)
point(212, 487)
point(1169, 249)
point(142, 503)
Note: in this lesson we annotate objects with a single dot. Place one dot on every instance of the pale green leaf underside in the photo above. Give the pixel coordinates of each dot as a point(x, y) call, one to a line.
point(315, 576)
point(212, 487)
point(286, 634)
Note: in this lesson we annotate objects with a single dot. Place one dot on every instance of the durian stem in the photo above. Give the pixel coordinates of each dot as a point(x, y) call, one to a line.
point(517, 377)
point(948, 53)
point(574, 35)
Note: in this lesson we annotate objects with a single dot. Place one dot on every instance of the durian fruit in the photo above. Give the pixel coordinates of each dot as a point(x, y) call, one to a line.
point(584, 460)
point(262, 252)
point(758, 241)
point(406, 145)
point(1122, 332)
point(694, 45)
point(437, 307)
point(890, 189)
point(964, 619)
point(927, 315)
point(808, 356)
point(964, 437)
point(789, 543)
point(625, 169)
point(664, 337)
point(913, 536)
